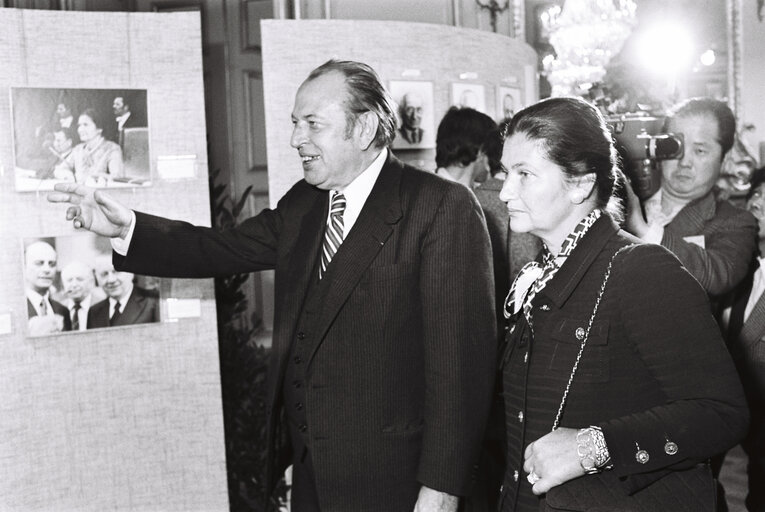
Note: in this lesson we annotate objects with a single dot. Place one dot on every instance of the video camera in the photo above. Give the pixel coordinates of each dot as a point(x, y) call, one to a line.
point(642, 144)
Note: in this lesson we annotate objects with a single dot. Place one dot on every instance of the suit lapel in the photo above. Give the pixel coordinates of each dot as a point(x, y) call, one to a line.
point(754, 326)
point(367, 237)
point(580, 260)
point(692, 218)
point(132, 309)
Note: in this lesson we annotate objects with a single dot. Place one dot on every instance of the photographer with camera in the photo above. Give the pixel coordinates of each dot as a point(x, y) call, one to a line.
point(713, 239)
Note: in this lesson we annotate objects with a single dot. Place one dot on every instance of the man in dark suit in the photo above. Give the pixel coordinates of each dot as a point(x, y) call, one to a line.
point(384, 335)
point(125, 304)
point(46, 316)
point(744, 320)
point(712, 238)
point(124, 118)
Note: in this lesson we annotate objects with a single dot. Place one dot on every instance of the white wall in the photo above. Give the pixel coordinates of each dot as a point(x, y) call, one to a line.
point(127, 418)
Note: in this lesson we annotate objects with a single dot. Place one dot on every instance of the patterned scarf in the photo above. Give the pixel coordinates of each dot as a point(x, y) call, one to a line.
point(534, 276)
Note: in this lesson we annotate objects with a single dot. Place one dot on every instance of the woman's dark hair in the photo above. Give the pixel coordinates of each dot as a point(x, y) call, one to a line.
point(575, 137)
point(95, 116)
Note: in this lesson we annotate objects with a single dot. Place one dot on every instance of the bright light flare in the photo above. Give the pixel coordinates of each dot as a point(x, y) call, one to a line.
point(708, 57)
point(665, 48)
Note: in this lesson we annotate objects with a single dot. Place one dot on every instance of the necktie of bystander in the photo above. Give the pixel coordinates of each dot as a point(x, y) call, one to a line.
point(117, 313)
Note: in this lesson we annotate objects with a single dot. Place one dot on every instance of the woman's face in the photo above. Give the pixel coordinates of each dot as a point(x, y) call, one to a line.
point(86, 128)
point(536, 192)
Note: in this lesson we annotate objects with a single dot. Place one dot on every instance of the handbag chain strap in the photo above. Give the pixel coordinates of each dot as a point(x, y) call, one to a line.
point(556, 423)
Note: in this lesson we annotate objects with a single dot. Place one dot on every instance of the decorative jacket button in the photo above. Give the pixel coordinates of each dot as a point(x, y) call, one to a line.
point(670, 448)
point(515, 476)
point(580, 332)
point(642, 456)
point(520, 417)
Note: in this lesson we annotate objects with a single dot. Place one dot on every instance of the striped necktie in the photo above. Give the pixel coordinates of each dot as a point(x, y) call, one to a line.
point(333, 236)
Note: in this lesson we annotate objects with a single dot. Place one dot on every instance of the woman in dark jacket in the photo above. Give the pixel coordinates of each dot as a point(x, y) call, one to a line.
point(617, 384)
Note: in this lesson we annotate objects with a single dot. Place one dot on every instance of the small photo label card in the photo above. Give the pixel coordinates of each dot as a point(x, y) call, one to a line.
point(183, 308)
point(179, 167)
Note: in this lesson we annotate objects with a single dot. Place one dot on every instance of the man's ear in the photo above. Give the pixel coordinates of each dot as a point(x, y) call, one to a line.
point(366, 128)
point(582, 187)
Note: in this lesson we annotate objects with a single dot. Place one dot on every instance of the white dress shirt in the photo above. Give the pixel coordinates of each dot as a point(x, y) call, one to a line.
point(36, 299)
point(82, 314)
point(357, 192)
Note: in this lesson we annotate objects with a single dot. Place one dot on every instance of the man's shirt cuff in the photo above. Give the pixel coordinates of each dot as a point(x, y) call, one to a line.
point(121, 246)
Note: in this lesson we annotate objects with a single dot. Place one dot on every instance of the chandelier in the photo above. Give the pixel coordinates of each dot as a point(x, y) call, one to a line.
point(585, 35)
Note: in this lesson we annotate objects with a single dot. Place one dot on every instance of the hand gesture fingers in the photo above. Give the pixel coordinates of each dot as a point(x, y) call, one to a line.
point(92, 209)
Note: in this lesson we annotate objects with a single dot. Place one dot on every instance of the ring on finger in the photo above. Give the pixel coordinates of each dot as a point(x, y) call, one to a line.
point(533, 478)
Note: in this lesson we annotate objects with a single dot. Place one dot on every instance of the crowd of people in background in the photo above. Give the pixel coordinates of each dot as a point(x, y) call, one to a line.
point(520, 321)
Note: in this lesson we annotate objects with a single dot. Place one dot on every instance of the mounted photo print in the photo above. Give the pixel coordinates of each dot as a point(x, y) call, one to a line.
point(469, 95)
point(415, 111)
point(70, 284)
point(97, 137)
point(509, 101)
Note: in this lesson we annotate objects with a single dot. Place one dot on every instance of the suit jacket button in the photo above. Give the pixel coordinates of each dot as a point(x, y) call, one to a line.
point(303, 427)
point(297, 360)
point(299, 406)
point(301, 335)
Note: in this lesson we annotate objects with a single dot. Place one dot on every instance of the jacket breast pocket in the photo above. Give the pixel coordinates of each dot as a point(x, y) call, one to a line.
point(567, 335)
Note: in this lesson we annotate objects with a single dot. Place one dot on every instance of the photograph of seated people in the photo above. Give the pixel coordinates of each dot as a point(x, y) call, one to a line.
point(743, 320)
point(365, 249)
point(126, 304)
point(618, 386)
point(46, 315)
point(98, 137)
point(713, 239)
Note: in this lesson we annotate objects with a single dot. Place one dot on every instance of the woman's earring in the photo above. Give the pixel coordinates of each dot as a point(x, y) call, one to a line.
point(577, 197)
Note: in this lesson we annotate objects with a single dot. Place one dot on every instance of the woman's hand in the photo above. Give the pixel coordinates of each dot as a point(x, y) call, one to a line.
point(553, 460)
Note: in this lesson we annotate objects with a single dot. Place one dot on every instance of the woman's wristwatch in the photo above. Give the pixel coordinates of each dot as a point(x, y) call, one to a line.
point(592, 450)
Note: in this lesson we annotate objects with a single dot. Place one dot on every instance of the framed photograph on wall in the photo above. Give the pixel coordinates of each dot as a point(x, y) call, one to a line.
point(415, 109)
point(509, 101)
point(97, 137)
point(469, 95)
point(71, 285)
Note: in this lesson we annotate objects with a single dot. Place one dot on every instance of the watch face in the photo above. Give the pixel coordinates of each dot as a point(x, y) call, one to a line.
point(588, 464)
